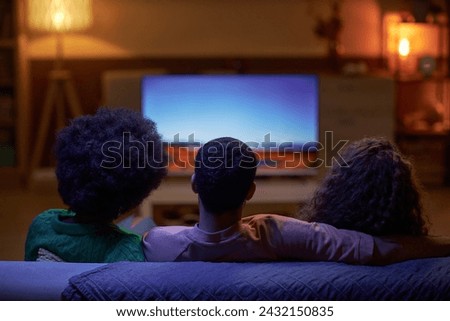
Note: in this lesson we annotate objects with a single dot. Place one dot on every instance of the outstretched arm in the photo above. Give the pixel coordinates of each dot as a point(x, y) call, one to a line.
point(296, 239)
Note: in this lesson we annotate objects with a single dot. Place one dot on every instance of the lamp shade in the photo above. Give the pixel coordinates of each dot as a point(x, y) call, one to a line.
point(59, 15)
point(423, 38)
point(407, 43)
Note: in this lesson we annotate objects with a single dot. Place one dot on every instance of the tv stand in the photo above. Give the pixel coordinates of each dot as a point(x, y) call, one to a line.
point(279, 195)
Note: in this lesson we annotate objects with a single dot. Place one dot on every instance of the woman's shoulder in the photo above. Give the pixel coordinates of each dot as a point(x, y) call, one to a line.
point(52, 214)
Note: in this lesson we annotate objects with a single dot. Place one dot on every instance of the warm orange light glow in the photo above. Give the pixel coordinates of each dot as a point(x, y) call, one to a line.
point(58, 19)
point(403, 47)
point(59, 15)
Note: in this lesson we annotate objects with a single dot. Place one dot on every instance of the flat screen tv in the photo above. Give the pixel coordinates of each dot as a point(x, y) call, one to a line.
point(275, 114)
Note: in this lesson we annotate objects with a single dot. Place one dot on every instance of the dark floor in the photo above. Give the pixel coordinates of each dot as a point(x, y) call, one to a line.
point(18, 206)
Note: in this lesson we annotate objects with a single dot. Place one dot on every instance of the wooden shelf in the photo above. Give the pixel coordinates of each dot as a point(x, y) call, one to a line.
point(421, 133)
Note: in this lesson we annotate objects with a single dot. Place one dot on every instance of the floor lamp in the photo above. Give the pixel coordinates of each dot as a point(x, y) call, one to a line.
point(57, 17)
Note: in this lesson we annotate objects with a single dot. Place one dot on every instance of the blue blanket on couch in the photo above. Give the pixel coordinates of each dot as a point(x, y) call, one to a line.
point(424, 279)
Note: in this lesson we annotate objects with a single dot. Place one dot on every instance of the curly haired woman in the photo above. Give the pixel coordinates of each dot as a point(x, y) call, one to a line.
point(107, 164)
point(375, 192)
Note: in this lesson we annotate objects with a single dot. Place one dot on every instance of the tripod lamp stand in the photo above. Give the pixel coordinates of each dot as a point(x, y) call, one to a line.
point(58, 17)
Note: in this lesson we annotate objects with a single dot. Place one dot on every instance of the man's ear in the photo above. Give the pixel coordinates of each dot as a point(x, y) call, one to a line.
point(251, 191)
point(193, 184)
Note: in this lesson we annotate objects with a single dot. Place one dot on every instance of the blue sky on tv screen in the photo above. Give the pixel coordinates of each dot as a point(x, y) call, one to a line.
point(247, 107)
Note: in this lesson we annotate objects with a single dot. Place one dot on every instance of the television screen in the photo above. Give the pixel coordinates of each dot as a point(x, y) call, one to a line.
point(274, 114)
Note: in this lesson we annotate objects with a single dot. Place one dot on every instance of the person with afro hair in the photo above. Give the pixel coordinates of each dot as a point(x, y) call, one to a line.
point(107, 163)
point(224, 179)
point(374, 191)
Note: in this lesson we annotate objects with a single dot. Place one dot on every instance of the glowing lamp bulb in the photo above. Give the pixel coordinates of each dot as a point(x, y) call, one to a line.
point(403, 47)
point(58, 19)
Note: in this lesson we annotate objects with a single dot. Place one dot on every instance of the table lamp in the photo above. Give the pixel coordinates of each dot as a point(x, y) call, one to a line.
point(57, 17)
point(412, 48)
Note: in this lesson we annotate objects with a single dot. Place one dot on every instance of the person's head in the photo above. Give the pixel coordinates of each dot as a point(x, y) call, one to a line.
point(108, 163)
point(224, 175)
point(375, 192)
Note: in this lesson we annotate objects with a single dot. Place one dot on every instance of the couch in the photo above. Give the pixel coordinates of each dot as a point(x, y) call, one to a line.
point(423, 279)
